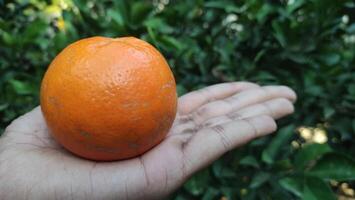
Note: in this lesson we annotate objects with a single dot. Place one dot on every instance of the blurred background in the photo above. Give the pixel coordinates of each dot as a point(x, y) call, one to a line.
point(308, 45)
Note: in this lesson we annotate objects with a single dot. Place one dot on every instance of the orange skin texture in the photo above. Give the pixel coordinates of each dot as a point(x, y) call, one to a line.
point(109, 99)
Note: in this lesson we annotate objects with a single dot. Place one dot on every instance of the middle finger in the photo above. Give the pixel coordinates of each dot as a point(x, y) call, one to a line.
point(240, 101)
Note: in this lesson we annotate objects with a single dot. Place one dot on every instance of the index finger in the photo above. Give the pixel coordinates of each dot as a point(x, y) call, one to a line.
point(191, 101)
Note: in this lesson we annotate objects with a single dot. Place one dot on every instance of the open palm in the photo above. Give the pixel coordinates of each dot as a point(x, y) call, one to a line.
point(210, 122)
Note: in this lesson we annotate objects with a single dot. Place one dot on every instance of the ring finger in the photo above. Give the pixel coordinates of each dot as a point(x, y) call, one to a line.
point(276, 108)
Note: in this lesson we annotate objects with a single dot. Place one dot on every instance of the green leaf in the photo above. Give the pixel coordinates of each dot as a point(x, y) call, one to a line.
point(249, 161)
point(210, 194)
point(159, 25)
point(171, 43)
point(349, 4)
point(265, 10)
point(214, 4)
point(228, 7)
point(222, 171)
point(282, 165)
point(34, 30)
point(310, 152)
point(283, 135)
point(20, 87)
point(265, 76)
point(292, 184)
point(153, 36)
point(297, 57)
point(334, 166)
point(7, 37)
point(276, 191)
point(228, 192)
point(198, 183)
point(279, 34)
point(351, 28)
point(328, 112)
point(259, 55)
point(117, 17)
point(3, 106)
point(259, 179)
point(351, 89)
point(315, 189)
point(294, 6)
point(330, 58)
point(140, 10)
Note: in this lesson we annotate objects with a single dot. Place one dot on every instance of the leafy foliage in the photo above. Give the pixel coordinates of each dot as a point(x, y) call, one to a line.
point(308, 45)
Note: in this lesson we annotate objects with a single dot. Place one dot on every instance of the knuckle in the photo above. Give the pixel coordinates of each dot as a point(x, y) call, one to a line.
point(230, 100)
point(252, 127)
point(272, 126)
point(218, 129)
point(283, 101)
point(208, 123)
point(223, 137)
point(184, 119)
point(266, 118)
point(204, 111)
point(289, 90)
point(234, 116)
point(270, 122)
point(286, 104)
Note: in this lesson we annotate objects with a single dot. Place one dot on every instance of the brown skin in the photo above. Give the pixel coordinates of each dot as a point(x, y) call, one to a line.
point(209, 123)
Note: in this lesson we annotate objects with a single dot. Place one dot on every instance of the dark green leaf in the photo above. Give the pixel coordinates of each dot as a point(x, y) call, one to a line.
point(316, 188)
point(351, 28)
point(309, 153)
point(140, 11)
point(21, 87)
point(3, 106)
point(293, 184)
point(249, 161)
point(198, 183)
point(278, 33)
point(291, 7)
point(210, 194)
point(171, 43)
point(158, 25)
point(259, 179)
point(117, 18)
point(334, 166)
point(330, 58)
point(271, 151)
point(222, 171)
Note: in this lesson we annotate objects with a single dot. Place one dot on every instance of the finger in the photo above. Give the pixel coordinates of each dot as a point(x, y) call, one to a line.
point(241, 100)
point(209, 144)
point(191, 101)
point(276, 108)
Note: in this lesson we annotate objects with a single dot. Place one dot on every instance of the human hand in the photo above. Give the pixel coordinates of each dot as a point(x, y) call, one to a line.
point(210, 122)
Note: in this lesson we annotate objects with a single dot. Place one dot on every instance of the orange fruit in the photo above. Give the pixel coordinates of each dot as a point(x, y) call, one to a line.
point(109, 99)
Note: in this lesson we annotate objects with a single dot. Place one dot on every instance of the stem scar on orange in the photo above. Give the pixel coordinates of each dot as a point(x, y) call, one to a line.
point(109, 99)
